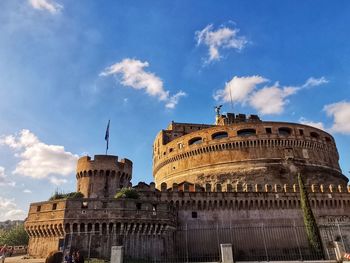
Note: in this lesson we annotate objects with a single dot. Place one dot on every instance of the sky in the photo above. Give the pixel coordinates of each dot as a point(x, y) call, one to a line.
point(67, 67)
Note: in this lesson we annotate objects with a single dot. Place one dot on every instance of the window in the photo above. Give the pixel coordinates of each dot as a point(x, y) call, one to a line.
point(38, 208)
point(246, 132)
point(170, 150)
point(194, 214)
point(219, 135)
point(138, 206)
point(196, 140)
point(284, 131)
point(54, 206)
point(301, 132)
point(180, 145)
point(104, 204)
point(328, 139)
point(314, 135)
point(268, 130)
point(84, 205)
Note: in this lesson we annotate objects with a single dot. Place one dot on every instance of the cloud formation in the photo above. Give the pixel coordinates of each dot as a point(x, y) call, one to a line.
point(4, 181)
point(37, 159)
point(267, 99)
point(46, 5)
point(313, 82)
point(222, 38)
point(340, 112)
point(318, 125)
point(133, 75)
point(9, 210)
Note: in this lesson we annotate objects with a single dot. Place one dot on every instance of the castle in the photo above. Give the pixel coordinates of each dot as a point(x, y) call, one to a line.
point(231, 182)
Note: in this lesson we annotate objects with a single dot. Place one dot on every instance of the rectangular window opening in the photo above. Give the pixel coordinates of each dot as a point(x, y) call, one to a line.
point(194, 214)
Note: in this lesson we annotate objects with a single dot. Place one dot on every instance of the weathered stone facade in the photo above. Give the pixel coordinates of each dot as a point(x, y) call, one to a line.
point(244, 150)
point(241, 171)
point(103, 176)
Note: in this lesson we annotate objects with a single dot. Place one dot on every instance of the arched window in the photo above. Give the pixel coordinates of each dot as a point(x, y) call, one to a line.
point(328, 139)
point(314, 135)
point(196, 140)
point(219, 135)
point(246, 132)
point(284, 131)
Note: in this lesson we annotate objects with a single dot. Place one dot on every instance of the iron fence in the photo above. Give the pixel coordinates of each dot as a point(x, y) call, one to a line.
point(202, 243)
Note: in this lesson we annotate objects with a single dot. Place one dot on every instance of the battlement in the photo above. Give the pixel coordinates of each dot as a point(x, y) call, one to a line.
point(102, 162)
point(231, 118)
point(254, 188)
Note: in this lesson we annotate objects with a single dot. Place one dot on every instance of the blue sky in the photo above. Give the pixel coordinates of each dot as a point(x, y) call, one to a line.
point(66, 67)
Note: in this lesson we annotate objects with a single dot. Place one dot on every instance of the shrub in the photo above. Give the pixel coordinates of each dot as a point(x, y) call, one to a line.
point(60, 195)
point(127, 193)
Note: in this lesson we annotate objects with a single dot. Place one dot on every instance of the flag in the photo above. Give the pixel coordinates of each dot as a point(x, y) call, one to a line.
point(107, 135)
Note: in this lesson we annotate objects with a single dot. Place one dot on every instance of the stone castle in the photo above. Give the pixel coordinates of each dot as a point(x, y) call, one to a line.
point(239, 174)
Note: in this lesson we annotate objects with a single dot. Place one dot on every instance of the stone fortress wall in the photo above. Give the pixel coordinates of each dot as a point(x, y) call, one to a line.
point(157, 214)
point(245, 150)
point(103, 175)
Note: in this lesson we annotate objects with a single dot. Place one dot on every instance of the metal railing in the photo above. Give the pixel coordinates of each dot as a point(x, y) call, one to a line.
point(190, 243)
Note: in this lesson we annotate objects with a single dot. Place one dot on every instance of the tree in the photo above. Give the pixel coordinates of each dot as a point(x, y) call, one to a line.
point(312, 230)
point(15, 236)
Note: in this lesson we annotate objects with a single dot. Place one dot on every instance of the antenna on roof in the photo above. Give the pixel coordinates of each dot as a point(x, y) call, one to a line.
point(231, 100)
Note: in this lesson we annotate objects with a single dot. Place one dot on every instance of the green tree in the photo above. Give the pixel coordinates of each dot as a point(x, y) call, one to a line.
point(15, 236)
point(312, 230)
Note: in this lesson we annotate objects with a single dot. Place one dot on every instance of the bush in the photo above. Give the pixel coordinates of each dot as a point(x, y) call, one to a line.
point(60, 195)
point(127, 193)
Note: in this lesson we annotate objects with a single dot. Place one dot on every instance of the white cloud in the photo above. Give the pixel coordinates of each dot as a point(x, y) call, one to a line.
point(9, 210)
point(3, 178)
point(46, 5)
point(313, 82)
point(266, 100)
point(222, 38)
point(173, 100)
point(133, 75)
point(318, 125)
point(27, 191)
point(58, 181)
point(340, 112)
point(39, 160)
point(238, 88)
point(271, 100)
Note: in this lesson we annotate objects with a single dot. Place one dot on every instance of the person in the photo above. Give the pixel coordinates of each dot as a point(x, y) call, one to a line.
point(78, 257)
point(68, 257)
point(11, 251)
point(3, 254)
point(54, 257)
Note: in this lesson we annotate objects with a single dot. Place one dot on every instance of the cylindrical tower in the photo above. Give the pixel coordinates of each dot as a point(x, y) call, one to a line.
point(244, 150)
point(102, 176)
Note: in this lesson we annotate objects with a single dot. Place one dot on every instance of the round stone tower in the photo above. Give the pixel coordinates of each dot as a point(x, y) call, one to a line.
point(102, 176)
point(241, 149)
